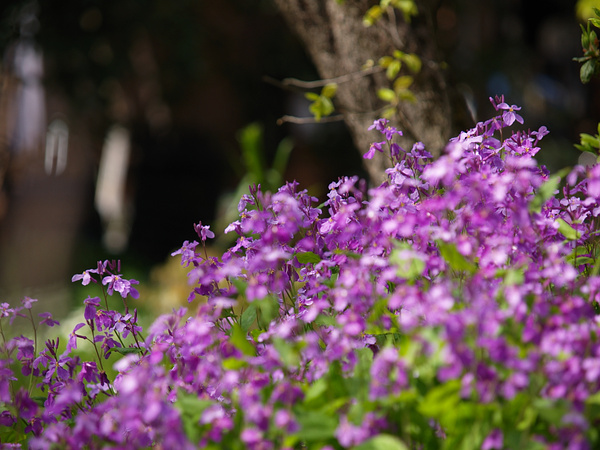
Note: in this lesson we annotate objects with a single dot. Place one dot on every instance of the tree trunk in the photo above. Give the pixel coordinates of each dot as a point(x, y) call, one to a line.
point(339, 44)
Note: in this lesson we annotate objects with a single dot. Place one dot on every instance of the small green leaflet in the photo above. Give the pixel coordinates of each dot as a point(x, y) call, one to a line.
point(382, 442)
point(239, 341)
point(567, 230)
point(126, 351)
point(248, 317)
point(454, 258)
point(307, 258)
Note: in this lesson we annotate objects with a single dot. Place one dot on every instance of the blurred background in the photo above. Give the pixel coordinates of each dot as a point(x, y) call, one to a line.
point(124, 122)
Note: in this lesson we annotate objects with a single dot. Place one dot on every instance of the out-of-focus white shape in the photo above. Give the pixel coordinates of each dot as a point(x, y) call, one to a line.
point(30, 105)
point(587, 159)
point(110, 197)
point(57, 146)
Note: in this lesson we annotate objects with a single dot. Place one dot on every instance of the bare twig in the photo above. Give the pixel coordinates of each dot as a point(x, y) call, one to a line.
point(336, 118)
point(294, 82)
point(307, 120)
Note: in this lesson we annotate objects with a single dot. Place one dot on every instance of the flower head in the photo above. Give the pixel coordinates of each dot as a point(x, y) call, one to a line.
point(509, 115)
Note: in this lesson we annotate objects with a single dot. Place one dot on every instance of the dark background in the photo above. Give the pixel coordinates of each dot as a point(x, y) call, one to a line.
point(186, 76)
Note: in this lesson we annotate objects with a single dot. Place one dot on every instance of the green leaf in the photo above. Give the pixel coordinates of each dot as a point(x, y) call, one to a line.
point(408, 8)
point(126, 351)
point(408, 265)
point(388, 113)
point(403, 82)
point(372, 15)
point(312, 96)
point(393, 69)
point(280, 161)
point(308, 258)
point(441, 400)
point(190, 409)
point(240, 285)
point(454, 258)
point(413, 62)
point(407, 96)
point(387, 95)
point(576, 256)
point(268, 308)
point(589, 140)
point(315, 394)
point(567, 230)
point(315, 425)
point(593, 399)
point(328, 107)
point(529, 416)
point(239, 340)
point(385, 61)
point(382, 442)
point(329, 90)
point(327, 321)
point(234, 363)
point(514, 277)
point(250, 139)
point(544, 193)
point(248, 317)
point(287, 352)
point(551, 410)
point(585, 36)
point(587, 71)
point(316, 109)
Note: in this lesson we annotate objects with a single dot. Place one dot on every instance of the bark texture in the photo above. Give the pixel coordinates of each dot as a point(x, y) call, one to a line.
point(339, 44)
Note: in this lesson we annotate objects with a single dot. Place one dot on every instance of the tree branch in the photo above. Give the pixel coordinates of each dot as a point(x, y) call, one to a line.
point(294, 82)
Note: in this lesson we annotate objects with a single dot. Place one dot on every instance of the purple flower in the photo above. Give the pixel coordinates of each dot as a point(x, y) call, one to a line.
point(91, 303)
point(379, 125)
point(6, 310)
point(26, 406)
point(187, 252)
point(120, 285)
point(376, 146)
point(28, 302)
point(73, 336)
point(85, 277)
point(47, 319)
point(494, 440)
point(509, 115)
point(204, 231)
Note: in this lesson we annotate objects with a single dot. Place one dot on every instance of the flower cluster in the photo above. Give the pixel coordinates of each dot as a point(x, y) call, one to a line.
point(455, 305)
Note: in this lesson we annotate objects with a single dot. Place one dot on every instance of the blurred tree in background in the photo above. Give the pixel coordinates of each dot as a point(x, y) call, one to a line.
point(184, 77)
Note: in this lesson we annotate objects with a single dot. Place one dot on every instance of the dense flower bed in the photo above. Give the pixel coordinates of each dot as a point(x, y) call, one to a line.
point(454, 306)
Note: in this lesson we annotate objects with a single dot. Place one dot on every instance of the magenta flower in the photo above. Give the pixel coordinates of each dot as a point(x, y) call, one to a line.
point(28, 302)
point(120, 285)
point(85, 276)
point(47, 319)
point(509, 115)
point(204, 231)
point(376, 146)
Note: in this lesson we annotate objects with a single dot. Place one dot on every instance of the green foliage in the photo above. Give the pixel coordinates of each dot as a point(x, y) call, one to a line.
point(254, 170)
point(322, 104)
point(409, 265)
point(590, 61)
point(408, 8)
point(382, 442)
point(590, 144)
point(545, 192)
point(400, 89)
point(454, 258)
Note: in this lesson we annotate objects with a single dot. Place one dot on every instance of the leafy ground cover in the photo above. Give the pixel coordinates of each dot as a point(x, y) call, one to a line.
point(454, 306)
